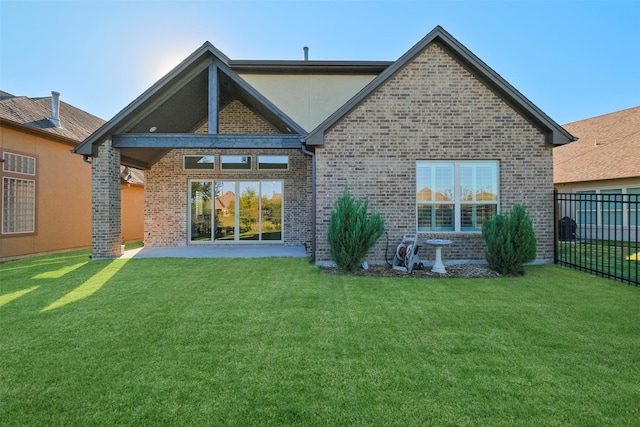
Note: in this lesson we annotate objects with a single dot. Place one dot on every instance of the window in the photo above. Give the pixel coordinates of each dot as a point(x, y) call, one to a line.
point(608, 207)
point(17, 163)
point(273, 162)
point(18, 194)
point(612, 207)
point(457, 195)
point(198, 162)
point(235, 211)
point(634, 209)
point(235, 162)
point(587, 206)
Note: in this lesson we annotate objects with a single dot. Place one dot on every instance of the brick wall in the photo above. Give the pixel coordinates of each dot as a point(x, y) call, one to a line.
point(105, 182)
point(236, 118)
point(433, 109)
point(167, 192)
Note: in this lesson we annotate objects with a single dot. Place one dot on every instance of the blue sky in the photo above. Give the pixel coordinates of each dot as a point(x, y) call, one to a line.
point(573, 59)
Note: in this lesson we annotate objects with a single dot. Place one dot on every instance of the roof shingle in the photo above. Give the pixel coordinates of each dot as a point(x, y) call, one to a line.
point(608, 148)
point(76, 124)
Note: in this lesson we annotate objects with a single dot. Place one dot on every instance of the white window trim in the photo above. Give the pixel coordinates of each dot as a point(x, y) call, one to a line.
point(6, 163)
point(456, 202)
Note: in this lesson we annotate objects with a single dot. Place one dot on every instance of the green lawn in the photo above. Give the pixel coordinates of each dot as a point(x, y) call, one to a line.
point(277, 342)
point(615, 258)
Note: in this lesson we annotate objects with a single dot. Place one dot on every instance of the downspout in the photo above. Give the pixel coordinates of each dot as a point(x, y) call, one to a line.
point(313, 200)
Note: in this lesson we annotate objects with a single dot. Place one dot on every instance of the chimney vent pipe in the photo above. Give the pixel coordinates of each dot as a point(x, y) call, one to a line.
point(55, 109)
point(306, 53)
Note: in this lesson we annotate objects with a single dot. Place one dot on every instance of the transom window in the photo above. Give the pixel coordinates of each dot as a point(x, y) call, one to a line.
point(18, 163)
point(235, 162)
point(273, 162)
point(198, 162)
point(456, 195)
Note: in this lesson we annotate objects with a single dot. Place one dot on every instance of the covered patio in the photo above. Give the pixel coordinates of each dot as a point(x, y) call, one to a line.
point(207, 251)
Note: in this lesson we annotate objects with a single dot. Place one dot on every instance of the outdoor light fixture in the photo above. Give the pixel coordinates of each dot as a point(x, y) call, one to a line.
point(153, 129)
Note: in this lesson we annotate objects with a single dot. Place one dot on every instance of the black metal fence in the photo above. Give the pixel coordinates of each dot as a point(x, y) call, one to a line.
point(599, 232)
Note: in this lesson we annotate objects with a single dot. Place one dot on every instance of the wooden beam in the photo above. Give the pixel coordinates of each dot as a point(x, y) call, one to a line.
point(181, 140)
point(214, 103)
point(128, 161)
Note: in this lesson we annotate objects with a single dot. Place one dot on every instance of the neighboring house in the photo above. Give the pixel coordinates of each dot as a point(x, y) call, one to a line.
point(603, 165)
point(436, 140)
point(46, 190)
point(604, 157)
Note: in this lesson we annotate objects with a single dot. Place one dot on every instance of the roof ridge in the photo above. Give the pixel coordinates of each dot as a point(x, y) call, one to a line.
point(602, 115)
point(554, 133)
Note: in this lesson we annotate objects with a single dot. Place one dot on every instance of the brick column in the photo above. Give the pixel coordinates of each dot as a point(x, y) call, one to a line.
point(105, 200)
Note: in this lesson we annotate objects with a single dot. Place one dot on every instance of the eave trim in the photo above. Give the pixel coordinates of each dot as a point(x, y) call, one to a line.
point(554, 133)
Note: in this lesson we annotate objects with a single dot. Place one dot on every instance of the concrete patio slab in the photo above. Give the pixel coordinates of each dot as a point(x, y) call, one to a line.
point(255, 251)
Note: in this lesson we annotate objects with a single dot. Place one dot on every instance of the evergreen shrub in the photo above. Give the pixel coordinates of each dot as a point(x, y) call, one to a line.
point(511, 241)
point(352, 231)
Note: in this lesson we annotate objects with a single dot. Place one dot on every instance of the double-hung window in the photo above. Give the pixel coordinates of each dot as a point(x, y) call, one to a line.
point(456, 195)
point(18, 194)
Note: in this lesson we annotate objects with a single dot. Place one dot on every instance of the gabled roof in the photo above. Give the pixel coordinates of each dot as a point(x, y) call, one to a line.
point(608, 148)
point(555, 133)
point(178, 102)
point(33, 114)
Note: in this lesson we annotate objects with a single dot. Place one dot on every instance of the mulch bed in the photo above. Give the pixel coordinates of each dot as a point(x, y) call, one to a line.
point(458, 270)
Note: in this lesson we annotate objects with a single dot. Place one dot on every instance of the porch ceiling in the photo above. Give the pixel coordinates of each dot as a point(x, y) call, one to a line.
point(174, 119)
point(187, 108)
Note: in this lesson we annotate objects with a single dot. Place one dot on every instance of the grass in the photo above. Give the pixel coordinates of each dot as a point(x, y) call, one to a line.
point(612, 258)
point(277, 342)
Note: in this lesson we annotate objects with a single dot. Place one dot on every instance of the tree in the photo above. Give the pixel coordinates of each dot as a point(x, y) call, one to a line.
point(352, 231)
point(248, 209)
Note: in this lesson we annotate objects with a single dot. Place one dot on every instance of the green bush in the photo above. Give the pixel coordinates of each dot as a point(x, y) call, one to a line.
point(352, 232)
point(511, 241)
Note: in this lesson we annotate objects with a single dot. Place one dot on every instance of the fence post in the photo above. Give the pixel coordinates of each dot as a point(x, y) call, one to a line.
point(555, 226)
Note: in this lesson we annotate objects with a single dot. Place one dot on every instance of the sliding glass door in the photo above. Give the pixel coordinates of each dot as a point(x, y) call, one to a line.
point(224, 218)
point(200, 210)
point(235, 211)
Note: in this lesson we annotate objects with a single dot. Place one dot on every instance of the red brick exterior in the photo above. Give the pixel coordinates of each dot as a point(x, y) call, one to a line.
point(105, 216)
point(432, 109)
point(167, 192)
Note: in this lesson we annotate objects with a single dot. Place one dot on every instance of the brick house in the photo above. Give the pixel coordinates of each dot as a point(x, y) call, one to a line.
point(436, 140)
point(46, 190)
